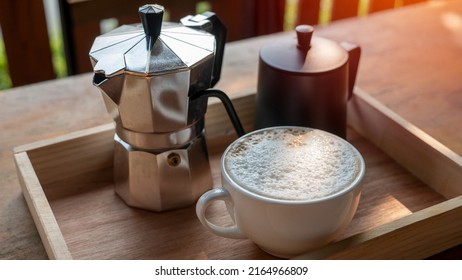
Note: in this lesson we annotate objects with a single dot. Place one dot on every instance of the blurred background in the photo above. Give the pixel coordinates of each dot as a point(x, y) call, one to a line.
point(69, 27)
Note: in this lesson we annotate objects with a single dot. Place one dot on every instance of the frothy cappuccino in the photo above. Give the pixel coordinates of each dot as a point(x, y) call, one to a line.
point(293, 163)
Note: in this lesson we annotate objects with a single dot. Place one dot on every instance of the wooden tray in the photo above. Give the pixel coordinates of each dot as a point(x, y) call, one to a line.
point(411, 205)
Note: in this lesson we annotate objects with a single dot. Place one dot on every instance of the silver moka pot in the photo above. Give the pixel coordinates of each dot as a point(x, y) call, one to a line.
point(155, 79)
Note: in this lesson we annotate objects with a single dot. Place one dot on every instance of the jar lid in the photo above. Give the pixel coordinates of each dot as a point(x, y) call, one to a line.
point(305, 54)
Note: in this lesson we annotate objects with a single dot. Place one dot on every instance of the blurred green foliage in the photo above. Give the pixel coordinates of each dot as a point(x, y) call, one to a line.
point(5, 81)
point(57, 48)
point(57, 52)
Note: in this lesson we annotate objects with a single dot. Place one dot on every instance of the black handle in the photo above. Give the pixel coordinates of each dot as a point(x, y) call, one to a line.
point(210, 22)
point(228, 106)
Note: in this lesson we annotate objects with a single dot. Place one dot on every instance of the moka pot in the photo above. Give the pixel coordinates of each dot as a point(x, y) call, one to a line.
point(155, 78)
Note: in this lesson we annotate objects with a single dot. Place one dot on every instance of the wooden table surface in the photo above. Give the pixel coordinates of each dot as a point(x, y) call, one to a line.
point(410, 62)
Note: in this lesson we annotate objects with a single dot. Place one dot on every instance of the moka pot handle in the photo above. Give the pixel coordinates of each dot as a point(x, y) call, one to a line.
point(228, 106)
point(210, 22)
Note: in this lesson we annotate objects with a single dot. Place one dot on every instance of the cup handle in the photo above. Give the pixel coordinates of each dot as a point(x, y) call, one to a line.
point(204, 202)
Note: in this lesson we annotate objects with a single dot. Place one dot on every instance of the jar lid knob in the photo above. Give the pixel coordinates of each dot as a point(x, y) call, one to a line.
point(304, 34)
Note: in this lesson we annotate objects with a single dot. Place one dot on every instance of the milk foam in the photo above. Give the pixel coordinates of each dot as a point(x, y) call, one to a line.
point(292, 163)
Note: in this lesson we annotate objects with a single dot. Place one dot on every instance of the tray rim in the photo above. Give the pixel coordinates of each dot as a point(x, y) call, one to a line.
point(357, 245)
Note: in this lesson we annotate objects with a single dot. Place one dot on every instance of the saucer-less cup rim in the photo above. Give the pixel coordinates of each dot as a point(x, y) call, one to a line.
point(347, 189)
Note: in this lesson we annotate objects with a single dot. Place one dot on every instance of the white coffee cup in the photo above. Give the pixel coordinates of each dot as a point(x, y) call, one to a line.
point(289, 222)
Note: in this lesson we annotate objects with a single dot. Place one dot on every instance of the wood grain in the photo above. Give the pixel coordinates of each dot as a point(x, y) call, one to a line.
point(44, 218)
point(416, 236)
point(403, 52)
point(420, 153)
point(96, 224)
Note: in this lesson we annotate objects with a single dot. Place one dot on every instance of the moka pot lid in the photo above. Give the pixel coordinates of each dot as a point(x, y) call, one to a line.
point(151, 48)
